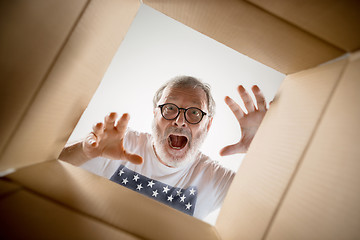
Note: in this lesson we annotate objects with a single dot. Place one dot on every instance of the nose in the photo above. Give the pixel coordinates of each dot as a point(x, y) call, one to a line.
point(180, 121)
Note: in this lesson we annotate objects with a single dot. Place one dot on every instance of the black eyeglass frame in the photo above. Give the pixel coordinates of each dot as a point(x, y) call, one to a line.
point(185, 110)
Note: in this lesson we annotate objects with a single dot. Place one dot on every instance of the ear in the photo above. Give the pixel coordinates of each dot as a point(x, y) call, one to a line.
point(209, 124)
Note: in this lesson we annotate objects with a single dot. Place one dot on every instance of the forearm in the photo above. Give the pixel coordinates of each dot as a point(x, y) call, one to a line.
point(74, 154)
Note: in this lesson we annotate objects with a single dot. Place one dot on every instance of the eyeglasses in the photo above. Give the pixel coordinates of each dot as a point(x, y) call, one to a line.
point(170, 111)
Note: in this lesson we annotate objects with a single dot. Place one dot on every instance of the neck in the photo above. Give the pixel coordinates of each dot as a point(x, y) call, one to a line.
point(157, 156)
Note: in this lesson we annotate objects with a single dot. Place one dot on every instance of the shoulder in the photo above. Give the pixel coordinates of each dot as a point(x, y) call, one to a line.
point(134, 138)
point(131, 134)
point(214, 183)
point(214, 169)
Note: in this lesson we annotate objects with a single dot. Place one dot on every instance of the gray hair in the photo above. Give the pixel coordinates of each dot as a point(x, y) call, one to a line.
point(187, 82)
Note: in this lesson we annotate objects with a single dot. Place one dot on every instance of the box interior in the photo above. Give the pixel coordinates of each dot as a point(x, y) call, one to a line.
point(55, 54)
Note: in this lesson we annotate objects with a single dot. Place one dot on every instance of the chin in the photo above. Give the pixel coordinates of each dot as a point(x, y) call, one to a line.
point(176, 148)
point(177, 161)
point(170, 157)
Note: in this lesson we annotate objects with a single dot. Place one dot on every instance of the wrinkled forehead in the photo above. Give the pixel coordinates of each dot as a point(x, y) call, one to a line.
point(189, 96)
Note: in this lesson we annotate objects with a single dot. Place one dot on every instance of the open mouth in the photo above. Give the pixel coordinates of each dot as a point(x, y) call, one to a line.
point(177, 141)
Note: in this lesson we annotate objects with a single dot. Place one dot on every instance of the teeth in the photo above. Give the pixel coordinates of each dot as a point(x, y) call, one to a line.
point(177, 148)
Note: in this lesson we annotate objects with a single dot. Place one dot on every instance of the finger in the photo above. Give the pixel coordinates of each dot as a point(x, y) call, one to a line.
point(133, 158)
point(232, 149)
point(110, 120)
point(121, 125)
point(260, 99)
point(98, 128)
point(235, 108)
point(91, 140)
point(248, 102)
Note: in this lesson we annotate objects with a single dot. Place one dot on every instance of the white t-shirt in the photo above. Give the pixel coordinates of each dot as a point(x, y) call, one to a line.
point(196, 189)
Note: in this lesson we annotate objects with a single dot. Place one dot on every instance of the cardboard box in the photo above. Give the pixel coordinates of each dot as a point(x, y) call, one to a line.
point(299, 179)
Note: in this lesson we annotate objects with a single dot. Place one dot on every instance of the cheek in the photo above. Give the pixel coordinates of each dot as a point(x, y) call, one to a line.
point(199, 131)
point(160, 122)
point(158, 117)
point(197, 134)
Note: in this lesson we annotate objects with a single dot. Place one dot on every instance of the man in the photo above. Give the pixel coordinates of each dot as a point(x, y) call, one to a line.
point(167, 165)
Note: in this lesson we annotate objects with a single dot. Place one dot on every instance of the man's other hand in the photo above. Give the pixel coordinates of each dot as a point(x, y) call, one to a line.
point(250, 122)
point(106, 140)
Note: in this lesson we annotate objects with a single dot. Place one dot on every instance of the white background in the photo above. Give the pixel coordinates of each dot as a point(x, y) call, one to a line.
point(157, 48)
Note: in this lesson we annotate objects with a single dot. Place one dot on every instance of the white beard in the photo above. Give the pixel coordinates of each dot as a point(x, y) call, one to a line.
point(160, 143)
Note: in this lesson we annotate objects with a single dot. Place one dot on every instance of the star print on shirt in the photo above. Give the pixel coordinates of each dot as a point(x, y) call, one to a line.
point(170, 198)
point(182, 199)
point(155, 193)
point(188, 206)
point(166, 189)
point(139, 187)
point(121, 172)
point(125, 181)
point(136, 177)
point(151, 183)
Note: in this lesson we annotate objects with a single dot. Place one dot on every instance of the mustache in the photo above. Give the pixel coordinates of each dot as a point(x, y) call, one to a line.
point(176, 130)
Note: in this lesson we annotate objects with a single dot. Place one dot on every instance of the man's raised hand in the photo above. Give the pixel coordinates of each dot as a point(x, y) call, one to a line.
point(250, 122)
point(106, 140)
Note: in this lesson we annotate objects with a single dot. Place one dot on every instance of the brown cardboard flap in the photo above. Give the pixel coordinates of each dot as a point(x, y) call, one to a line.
point(118, 206)
point(251, 31)
point(70, 83)
point(7, 187)
point(25, 215)
point(337, 22)
point(32, 35)
point(272, 159)
point(323, 201)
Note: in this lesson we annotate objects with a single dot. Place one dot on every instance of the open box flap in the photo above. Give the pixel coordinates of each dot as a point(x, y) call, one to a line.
point(8, 187)
point(323, 201)
point(252, 31)
point(26, 215)
point(276, 151)
point(102, 199)
point(54, 106)
point(28, 52)
point(336, 22)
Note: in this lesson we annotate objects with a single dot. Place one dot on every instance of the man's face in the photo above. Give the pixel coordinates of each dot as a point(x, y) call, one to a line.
point(176, 141)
